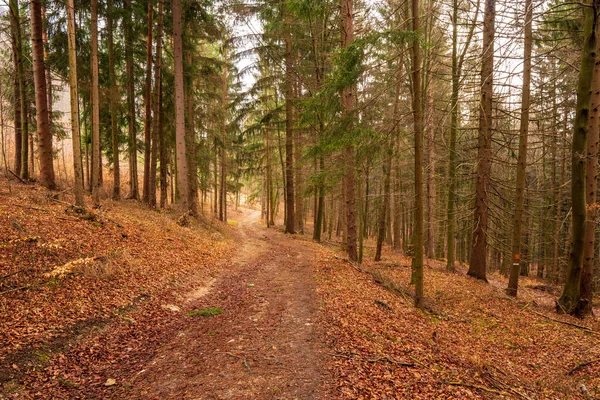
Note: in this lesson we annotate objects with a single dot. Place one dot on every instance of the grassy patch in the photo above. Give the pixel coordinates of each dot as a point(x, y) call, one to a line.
point(67, 383)
point(206, 312)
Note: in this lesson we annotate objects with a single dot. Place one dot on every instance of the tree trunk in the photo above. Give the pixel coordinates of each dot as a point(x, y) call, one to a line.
point(289, 134)
point(163, 151)
point(385, 204)
point(591, 183)
point(17, 55)
point(134, 192)
point(349, 180)
point(478, 264)
point(180, 148)
point(570, 301)
point(95, 106)
point(418, 127)
point(431, 226)
point(48, 79)
point(457, 62)
point(41, 98)
point(156, 108)
point(191, 144)
point(513, 281)
point(114, 96)
point(24, 154)
point(74, 95)
point(223, 183)
point(148, 105)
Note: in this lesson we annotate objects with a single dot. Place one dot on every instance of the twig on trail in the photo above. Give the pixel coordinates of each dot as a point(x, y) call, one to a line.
point(349, 262)
point(351, 356)
point(12, 273)
point(417, 362)
point(18, 177)
point(579, 366)
point(259, 331)
point(233, 355)
point(585, 328)
point(245, 363)
point(499, 384)
point(391, 361)
point(15, 289)
point(44, 210)
point(486, 389)
point(526, 308)
point(31, 208)
point(62, 202)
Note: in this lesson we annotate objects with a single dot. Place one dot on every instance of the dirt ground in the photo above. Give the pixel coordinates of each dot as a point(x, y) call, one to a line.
point(265, 344)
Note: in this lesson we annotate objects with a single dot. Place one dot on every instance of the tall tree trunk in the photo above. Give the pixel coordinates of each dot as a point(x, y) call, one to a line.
point(48, 72)
point(349, 180)
point(556, 184)
point(224, 99)
point(30, 158)
point(25, 103)
point(41, 98)
point(320, 203)
point(25, 153)
point(191, 144)
point(134, 192)
point(418, 127)
point(95, 103)
point(591, 183)
point(114, 95)
point(298, 179)
point(385, 204)
point(74, 95)
point(87, 140)
point(180, 148)
point(317, 39)
point(156, 108)
point(457, 62)
point(148, 105)
point(289, 134)
point(431, 226)
point(451, 212)
point(513, 281)
point(397, 207)
point(17, 56)
point(215, 200)
point(24, 146)
point(570, 301)
point(163, 152)
point(478, 264)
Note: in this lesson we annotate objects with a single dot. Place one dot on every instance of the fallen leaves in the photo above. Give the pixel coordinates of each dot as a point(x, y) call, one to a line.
point(470, 342)
point(63, 280)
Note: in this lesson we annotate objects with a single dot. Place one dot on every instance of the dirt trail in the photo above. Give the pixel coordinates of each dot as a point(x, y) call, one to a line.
point(265, 345)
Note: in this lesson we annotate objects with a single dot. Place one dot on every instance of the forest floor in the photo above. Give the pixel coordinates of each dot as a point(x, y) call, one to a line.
point(124, 303)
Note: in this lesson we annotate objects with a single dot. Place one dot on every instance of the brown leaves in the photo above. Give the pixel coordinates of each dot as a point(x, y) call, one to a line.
point(471, 343)
point(64, 292)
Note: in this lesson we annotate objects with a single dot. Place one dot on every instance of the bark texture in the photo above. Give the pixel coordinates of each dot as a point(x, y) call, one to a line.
point(41, 99)
point(570, 300)
point(478, 263)
point(74, 96)
point(180, 148)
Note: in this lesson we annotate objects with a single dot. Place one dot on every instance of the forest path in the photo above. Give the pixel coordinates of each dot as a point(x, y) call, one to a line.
point(265, 344)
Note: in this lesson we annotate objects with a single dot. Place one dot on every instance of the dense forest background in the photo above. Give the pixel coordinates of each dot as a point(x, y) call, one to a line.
point(458, 130)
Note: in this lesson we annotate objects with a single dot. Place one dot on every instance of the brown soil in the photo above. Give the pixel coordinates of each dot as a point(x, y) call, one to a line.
point(265, 344)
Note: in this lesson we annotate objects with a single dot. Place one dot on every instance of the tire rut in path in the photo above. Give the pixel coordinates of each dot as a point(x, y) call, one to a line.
point(266, 344)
